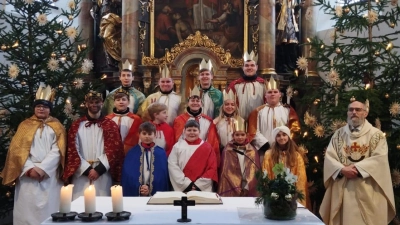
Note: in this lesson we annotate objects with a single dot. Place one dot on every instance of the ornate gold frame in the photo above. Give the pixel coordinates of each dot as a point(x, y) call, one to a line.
point(194, 41)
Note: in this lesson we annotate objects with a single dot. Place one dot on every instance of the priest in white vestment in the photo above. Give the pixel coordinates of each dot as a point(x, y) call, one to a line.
point(357, 174)
point(35, 161)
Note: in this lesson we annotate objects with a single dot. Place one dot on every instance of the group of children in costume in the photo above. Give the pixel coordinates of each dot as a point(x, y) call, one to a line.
point(160, 158)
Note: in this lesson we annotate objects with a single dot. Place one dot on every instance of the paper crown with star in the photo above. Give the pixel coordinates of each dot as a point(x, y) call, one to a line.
point(93, 94)
point(194, 92)
point(240, 125)
point(272, 84)
point(252, 56)
point(228, 95)
point(127, 65)
point(205, 65)
point(44, 96)
point(165, 73)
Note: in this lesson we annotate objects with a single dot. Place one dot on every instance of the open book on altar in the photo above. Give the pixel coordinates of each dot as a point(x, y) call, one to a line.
point(168, 197)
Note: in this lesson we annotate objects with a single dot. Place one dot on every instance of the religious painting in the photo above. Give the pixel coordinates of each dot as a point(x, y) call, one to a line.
point(172, 21)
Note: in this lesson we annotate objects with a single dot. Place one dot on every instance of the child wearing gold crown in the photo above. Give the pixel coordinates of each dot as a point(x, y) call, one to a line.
point(227, 117)
point(136, 97)
point(208, 131)
point(35, 156)
point(234, 180)
point(127, 122)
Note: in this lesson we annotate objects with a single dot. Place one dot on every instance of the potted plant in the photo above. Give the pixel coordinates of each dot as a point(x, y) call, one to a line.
point(279, 195)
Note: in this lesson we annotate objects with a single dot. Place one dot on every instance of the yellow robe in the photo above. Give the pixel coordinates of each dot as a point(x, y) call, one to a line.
point(298, 169)
point(21, 143)
point(362, 200)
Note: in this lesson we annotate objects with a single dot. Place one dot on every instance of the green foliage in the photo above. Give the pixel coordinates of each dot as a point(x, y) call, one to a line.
point(280, 189)
point(359, 54)
point(29, 45)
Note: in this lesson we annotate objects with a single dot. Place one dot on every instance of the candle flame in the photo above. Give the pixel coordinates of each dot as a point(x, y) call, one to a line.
point(316, 159)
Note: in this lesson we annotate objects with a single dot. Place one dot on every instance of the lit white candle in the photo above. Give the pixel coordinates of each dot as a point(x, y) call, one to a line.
point(90, 199)
point(65, 198)
point(116, 198)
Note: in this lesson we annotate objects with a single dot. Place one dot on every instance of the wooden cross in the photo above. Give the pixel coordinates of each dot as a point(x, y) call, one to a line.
point(184, 203)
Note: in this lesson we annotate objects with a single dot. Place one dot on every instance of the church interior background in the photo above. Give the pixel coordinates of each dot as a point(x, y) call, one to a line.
point(180, 33)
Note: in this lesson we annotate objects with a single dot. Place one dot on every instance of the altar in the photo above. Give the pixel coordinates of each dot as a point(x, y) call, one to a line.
point(232, 211)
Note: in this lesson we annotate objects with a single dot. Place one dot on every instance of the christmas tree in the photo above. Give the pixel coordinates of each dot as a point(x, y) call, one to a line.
point(359, 62)
point(39, 48)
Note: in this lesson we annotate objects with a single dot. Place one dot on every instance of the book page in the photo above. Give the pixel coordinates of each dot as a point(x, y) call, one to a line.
point(169, 194)
point(203, 197)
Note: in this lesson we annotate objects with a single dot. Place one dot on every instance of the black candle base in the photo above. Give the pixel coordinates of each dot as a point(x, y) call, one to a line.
point(182, 220)
point(112, 216)
point(62, 217)
point(90, 217)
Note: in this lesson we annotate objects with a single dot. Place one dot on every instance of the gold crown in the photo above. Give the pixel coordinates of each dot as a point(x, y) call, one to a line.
point(45, 93)
point(205, 65)
point(194, 92)
point(165, 73)
point(127, 65)
point(272, 84)
point(121, 91)
point(229, 95)
point(93, 94)
point(240, 124)
point(251, 56)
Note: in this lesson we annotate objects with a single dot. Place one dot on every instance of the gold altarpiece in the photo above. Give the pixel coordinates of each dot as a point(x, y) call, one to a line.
point(183, 61)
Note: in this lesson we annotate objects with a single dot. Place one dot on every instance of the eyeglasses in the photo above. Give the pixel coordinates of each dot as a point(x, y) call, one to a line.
point(356, 109)
point(42, 107)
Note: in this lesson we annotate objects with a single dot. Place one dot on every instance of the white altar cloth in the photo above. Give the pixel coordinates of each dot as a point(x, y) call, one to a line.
point(232, 211)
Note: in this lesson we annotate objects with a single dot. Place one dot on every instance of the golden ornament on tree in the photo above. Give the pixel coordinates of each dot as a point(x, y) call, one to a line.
point(338, 51)
point(23, 83)
point(83, 46)
point(8, 194)
point(352, 99)
point(377, 53)
point(315, 170)
point(392, 25)
point(60, 86)
point(53, 55)
point(82, 105)
point(75, 83)
point(70, 17)
point(295, 92)
point(398, 146)
point(387, 95)
point(346, 10)
point(3, 47)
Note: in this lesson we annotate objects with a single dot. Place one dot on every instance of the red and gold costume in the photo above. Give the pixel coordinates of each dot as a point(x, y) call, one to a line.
point(130, 138)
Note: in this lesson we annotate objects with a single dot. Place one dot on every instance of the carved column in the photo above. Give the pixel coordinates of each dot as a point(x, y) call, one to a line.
point(266, 44)
point(308, 30)
point(178, 86)
point(129, 35)
point(85, 21)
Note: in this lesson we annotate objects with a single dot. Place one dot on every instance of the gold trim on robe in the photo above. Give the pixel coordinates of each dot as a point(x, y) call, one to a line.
point(21, 144)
